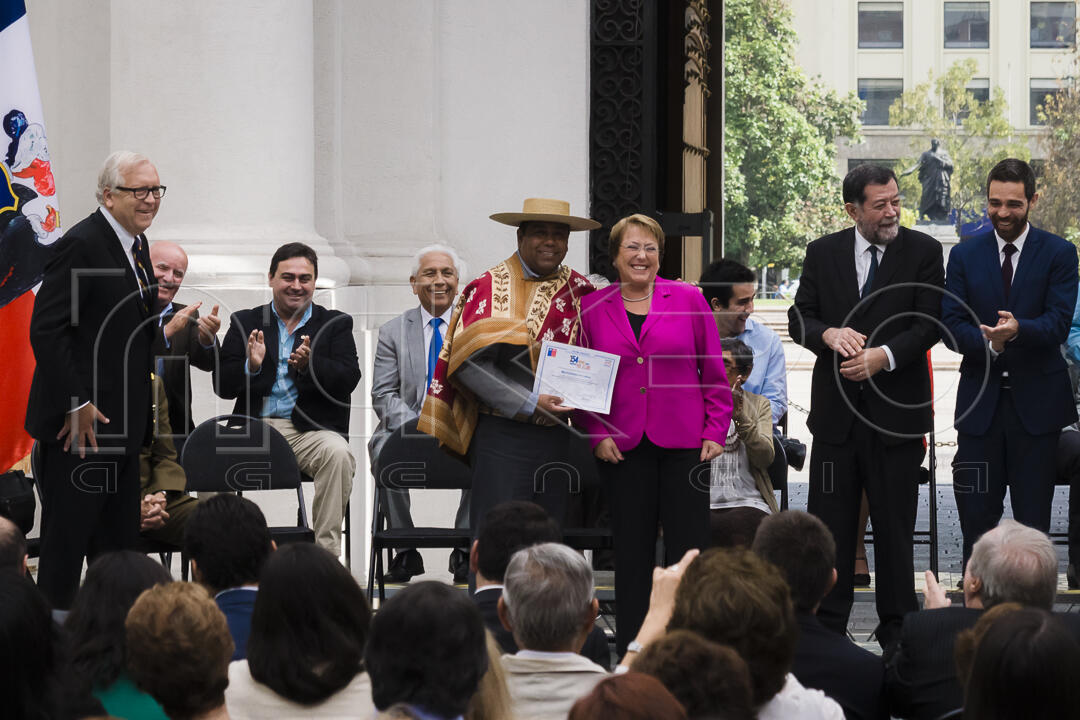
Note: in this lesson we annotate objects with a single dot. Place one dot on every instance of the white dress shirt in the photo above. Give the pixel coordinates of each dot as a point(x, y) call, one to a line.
point(429, 331)
point(1018, 243)
point(862, 270)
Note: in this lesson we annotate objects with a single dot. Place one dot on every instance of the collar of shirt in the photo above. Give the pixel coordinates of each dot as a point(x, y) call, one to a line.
point(862, 245)
point(168, 309)
point(543, 655)
point(282, 331)
point(234, 589)
point(126, 239)
point(1018, 243)
point(487, 587)
point(422, 714)
point(528, 270)
point(426, 316)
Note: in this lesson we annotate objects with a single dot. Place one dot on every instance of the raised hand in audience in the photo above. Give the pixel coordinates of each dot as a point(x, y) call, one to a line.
point(935, 595)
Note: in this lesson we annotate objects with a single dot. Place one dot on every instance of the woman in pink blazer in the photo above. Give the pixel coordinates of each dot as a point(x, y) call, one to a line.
point(669, 414)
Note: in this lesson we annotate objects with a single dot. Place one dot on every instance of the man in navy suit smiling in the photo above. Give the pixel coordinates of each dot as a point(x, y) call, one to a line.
point(1009, 300)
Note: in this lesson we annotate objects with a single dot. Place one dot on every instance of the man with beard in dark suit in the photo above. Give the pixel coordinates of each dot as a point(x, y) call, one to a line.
point(867, 306)
point(89, 406)
point(507, 528)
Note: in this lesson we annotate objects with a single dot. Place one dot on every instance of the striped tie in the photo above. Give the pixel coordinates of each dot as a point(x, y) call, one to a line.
point(141, 272)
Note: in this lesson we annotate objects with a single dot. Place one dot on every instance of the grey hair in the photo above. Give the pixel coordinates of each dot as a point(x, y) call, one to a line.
point(547, 590)
point(112, 172)
point(1015, 563)
point(459, 264)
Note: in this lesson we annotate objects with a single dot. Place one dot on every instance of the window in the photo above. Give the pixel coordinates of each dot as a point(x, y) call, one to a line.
point(1053, 24)
point(853, 163)
point(1041, 88)
point(967, 24)
point(980, 90)
point(881, 24)
point(878, 94)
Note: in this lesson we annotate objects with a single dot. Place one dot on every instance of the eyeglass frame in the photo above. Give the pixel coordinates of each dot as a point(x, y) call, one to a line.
point(158, 191)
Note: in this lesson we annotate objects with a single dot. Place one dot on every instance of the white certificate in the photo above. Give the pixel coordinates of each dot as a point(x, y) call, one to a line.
point(583, 378)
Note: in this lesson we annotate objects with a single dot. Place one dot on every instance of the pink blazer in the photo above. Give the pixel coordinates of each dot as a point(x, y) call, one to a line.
point(671, 383)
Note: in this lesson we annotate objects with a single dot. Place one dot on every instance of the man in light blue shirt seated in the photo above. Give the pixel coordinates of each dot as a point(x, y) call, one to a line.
point(729, 287)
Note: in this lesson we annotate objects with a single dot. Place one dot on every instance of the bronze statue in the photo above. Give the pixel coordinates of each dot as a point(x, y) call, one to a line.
point(935, 174)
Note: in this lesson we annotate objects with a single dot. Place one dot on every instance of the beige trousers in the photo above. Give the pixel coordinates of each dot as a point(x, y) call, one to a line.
point(325, 456)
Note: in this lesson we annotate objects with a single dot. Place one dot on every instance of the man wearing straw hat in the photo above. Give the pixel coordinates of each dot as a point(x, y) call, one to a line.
point(481, 402)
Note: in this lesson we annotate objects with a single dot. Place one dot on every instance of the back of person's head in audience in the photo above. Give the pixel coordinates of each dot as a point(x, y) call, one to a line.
point(12, 546)
point(27, 649)
point(427, 648)
point(1025, 665)
point(709, 679)
point(803, 549)
point(630, 696)
point(733, 597)
point(179, 649)
point(228, 542)
point(548, 598)
point(95, 624)
point(1012, 563)
point(507, 528)
point(491, 701)
point(309, 625)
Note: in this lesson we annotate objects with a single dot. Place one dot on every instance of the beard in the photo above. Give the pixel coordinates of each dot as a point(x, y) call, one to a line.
point(1013, 231)
point(879, 235)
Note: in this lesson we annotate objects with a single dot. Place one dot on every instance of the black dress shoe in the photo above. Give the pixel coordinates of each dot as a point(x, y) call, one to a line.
point(1071, 577)
point(459, 566)
point(404, 566)
point(862, 580)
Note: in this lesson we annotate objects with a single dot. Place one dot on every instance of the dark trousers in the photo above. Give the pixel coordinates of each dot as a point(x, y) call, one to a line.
point(89, 506)
point(1005, 456)
point(520, 461)
point(652, 485)
point(1068, 473)
point(889, 474)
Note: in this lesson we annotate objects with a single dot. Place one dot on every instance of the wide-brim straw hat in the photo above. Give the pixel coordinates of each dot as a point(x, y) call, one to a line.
point(545, 210)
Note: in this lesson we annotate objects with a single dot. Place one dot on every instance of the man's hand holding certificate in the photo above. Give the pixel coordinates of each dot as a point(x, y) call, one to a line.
point(583, 378)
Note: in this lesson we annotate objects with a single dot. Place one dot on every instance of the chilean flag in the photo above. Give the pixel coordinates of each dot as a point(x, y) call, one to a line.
point(29, 223)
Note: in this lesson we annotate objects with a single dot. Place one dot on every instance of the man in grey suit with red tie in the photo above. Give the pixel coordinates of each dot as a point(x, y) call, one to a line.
point(89, 406)
point(1007, 310)
point(409, 345)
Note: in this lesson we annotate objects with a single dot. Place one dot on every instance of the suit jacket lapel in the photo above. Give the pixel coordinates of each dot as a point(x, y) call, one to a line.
point(659, 305)
point(122, 259)
point(270, 336)
point(991, 263)
point(845, 263)
point(617, 312)
point(1028, 257)
point(417, 352)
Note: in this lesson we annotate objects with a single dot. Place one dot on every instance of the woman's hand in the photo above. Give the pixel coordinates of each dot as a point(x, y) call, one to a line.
point(607, 451)
point(710, 449)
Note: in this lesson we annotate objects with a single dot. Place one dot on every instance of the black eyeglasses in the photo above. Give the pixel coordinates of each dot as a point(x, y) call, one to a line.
point(140, 193)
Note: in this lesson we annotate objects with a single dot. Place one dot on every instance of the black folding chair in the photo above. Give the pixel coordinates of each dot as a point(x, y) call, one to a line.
point(236, 453)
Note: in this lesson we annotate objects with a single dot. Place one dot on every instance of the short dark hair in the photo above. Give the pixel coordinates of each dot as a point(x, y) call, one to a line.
point(717, 280)
point(733, 597)
point(1024, 666)
point(709, 679)
point(95, 624)
point(740, 353)
point(1013, 170)
point(179, 648)
point(860, 176)
point(228, 538)
point(12, 545)
point(29, 660)
point(507, 528)
point(427, 647)
point(305, 589)
point(630, 696)
point(803, 549)
point(291, 250)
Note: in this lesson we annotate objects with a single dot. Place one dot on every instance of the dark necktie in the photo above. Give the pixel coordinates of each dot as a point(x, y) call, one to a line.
point(870, 274)
point(141, 272)
point(1007, 268)
point(434, 348)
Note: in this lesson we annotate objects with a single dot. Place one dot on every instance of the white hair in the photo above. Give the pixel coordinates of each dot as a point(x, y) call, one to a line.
point(112, 172)
point(1016, 563)
point(459, 264)
point(547, 590)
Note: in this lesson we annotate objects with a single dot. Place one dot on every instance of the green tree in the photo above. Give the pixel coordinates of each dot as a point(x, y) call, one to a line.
point(976, 134)
point(1058, 209)
point(780, 188)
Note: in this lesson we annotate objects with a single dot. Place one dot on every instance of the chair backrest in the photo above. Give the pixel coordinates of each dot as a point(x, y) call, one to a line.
point(232, 453)
point(412, 461)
